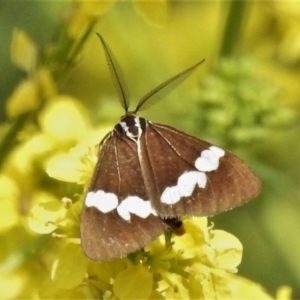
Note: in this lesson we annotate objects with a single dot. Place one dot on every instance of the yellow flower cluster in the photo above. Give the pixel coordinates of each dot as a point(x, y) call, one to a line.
point(42, 127)
point(43, 182)
point(200, 264)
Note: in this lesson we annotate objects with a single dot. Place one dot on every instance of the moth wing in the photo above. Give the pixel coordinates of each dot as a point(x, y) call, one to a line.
point(106, 234)
point(178, 184)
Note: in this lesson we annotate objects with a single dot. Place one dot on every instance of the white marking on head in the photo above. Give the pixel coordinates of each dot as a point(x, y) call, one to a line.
point(105, 202)
point(124, 126)
point(137, 122)
point(128, 130)
point(138, 125)
point(209, 159)
point(170, 195)
point(134, 205)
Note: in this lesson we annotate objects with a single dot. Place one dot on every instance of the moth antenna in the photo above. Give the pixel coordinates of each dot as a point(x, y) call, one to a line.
point(117, 75)
point(165, 88)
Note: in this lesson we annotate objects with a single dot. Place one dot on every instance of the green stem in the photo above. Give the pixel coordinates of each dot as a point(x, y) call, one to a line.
point(233, 27)
point(73, 53)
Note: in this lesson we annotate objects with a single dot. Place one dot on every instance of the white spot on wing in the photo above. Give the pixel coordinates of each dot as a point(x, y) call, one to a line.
point(170, 195)
point(217, 151)
point(186, 183)
point(134, 205)
point(154, 213)
point(123, 212)
point(201, 180)
point(105, 202)
point(209, 159)
point(185, 187)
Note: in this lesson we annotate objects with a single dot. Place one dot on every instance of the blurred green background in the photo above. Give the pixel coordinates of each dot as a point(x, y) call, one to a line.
point(252, 51)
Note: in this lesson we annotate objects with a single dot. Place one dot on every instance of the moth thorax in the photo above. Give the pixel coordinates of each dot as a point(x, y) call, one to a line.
point(132, 127)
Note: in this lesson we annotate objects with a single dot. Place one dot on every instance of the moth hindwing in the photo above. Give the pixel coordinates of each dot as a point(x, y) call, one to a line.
point(148, 175)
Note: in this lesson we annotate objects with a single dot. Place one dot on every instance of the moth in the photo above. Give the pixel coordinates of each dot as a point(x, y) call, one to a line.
point(148, 175)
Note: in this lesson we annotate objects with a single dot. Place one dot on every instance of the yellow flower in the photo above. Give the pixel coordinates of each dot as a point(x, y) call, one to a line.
point(154, 12)
point(173, 271)
point(28, 95)
point(78, 163)
point(65, 122)
point(23, 51)
point(75, 166)
point(85, 15)
point(139, 283)
point(46, 213)
point(9, 193)
point(64, 119)
point(11, 285)
point(24, 99)
point(284, 293)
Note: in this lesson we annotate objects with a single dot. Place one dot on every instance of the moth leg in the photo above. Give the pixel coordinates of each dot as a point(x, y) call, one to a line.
point(175, 225)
